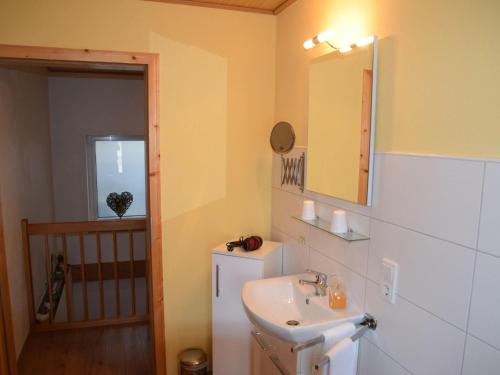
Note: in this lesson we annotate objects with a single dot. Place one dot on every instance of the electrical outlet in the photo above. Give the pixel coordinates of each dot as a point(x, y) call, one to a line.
point(389, 280)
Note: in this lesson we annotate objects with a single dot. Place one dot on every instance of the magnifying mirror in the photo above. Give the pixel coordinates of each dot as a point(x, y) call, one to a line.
point(282, 137)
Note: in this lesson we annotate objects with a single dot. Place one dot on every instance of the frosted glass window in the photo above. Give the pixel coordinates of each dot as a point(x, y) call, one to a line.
point(119, 167)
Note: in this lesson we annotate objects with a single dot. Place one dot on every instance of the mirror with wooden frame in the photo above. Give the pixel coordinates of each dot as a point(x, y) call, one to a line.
point(342, 88)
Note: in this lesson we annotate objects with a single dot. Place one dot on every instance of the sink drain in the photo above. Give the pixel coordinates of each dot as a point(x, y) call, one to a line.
point(292, 323)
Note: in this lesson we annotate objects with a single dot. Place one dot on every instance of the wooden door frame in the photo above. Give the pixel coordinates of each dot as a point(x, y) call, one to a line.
point(7, 347)
point(117, 60)
point(4, 355)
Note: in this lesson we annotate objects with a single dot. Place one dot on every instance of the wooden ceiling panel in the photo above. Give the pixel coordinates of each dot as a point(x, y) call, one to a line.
point(258, 6)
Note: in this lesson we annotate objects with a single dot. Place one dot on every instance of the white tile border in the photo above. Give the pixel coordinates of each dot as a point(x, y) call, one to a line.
point(437, 156)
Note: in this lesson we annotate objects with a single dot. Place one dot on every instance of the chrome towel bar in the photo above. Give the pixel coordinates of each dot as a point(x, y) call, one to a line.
point(369, 322)
point(308, 344)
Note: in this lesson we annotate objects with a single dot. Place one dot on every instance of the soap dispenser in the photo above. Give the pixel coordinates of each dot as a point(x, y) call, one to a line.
point(337, 294)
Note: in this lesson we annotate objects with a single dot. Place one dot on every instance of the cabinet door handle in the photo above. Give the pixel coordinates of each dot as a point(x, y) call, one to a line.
point(217, 270)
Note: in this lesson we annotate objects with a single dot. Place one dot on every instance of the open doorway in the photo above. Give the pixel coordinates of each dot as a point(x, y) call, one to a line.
point(95, 277)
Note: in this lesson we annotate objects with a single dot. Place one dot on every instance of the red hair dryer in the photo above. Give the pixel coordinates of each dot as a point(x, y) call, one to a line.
point(248, 244)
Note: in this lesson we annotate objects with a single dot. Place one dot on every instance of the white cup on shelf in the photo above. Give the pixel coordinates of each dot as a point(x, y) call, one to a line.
point(339, 222)
point(308, 210)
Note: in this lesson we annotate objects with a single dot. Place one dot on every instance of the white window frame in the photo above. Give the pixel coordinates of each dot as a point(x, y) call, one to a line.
point(92, 171)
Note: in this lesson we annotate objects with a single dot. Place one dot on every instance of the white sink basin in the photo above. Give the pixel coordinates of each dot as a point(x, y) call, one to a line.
point(271, 303)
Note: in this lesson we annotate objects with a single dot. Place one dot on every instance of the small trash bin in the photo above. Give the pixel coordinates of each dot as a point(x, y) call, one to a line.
point(193, 361)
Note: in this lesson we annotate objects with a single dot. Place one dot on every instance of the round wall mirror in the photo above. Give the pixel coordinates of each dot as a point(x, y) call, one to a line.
point(282, 137)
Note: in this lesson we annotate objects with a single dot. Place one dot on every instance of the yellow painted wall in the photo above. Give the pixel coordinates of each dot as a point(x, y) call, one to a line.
point(217, 108)
point(438, 71)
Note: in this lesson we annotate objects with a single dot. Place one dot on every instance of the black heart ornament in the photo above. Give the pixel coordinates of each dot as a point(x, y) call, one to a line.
point(120, 203)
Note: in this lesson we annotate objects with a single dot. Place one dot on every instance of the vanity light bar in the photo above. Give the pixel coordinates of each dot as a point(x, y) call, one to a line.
point(310, 43)
point(327, 35)
point(322, 37)
point(345, 48)
point(365, 41)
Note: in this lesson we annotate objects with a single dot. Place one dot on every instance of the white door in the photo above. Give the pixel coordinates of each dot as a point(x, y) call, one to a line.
point(230, 327)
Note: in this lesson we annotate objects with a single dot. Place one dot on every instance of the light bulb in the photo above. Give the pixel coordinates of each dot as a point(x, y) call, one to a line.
point(365, 41)
point(325, 35)
point(345, 49)
point(308, 44)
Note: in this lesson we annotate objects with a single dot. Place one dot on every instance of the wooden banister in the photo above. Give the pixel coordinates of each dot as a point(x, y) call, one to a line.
point(67, 281)
point(84, 227)
point(48, 267)
point(108, 271)
point(27, 271)
point(71, 236)
point(117, 277)
point(132, 269)
point(99, 272)
point(85, 296)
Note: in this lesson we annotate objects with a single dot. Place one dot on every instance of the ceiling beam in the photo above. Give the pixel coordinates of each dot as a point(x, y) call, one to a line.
point(218, 6)
point(280, 8)
point(242, 8)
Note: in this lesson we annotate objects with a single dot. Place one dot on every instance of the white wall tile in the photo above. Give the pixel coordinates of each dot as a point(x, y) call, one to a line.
point(421, 342)
point(372, 361)
point(355, 284)
point(295, 254)
point(485, 304)
point(437, 196)
point(434, 274)
point(353, 255)
point(480, 358)
point(284, 206)
point(489, 235)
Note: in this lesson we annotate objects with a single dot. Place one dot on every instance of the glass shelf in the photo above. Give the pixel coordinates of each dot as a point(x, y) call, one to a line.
point(325, 226)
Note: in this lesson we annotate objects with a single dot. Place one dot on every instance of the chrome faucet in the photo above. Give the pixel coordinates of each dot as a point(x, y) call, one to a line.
point(320, 284)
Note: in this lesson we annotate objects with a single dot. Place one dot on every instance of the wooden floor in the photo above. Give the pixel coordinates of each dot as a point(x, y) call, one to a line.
point(96, 351)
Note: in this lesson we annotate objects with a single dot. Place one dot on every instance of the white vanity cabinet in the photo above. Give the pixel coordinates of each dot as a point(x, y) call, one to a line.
point(272, 356)
point(231, 329)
